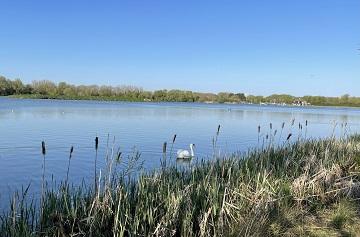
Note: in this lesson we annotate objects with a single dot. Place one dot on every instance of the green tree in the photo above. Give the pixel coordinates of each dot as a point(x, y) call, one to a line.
point(44, 87)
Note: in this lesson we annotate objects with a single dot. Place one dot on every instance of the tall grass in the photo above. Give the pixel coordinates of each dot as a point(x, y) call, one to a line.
point(300, 188)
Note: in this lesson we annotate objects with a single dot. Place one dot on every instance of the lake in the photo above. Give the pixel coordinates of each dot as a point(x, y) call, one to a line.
point(142, 127)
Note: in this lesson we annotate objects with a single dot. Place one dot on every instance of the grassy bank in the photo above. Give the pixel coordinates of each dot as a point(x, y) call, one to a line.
point(306, 188)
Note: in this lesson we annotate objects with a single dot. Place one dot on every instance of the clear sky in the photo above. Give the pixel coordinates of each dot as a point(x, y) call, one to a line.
point(255, 46)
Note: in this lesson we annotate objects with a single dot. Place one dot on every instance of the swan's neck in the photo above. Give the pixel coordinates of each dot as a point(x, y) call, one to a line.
point(192, 151)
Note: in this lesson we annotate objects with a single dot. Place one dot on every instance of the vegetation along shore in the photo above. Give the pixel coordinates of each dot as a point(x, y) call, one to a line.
point(300, 187)
point(49, 90)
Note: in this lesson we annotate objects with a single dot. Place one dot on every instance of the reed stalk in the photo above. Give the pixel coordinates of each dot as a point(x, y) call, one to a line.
point(68, 168)
point(43, 152)
point(163, 161)
point(172, 145)
point(215, 140)
point(95, 163)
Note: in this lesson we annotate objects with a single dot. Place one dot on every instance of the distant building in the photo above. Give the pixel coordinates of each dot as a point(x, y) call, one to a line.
point(300, 102)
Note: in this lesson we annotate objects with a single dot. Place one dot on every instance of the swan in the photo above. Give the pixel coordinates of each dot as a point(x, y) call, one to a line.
point(185, 154)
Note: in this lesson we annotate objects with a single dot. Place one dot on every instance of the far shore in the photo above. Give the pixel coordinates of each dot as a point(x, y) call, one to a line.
point(45, 89)
point(115, 99)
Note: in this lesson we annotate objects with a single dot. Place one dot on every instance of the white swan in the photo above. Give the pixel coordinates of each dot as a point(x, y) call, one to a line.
point(185, 154)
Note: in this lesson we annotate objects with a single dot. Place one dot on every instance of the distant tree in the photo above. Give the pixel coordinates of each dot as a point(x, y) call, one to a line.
point(160, 95)
point(61, 88)
point(241, 96)
point(255, 99)
point(5, 86)
point(70, 91)
point(18, 86)
point(105, 91)
point(44, 87)
point(282, 98)
point(345, 98)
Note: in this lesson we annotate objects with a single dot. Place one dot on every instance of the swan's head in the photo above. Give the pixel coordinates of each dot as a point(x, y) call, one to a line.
point(192, 145)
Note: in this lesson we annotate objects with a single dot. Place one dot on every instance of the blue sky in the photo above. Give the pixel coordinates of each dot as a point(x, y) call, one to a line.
point(255, 46)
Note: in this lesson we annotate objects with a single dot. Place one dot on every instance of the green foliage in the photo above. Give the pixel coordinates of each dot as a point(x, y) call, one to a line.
point(343, 213)
point(288, 99)
point(49, 90)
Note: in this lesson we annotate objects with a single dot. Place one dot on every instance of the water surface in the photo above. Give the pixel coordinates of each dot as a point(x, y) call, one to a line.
point(142, 127)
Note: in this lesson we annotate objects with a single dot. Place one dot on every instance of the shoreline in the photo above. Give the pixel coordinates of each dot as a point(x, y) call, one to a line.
point(109, 99)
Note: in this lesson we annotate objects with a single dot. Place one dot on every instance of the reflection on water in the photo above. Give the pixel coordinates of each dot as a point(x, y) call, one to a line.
point(145, 126)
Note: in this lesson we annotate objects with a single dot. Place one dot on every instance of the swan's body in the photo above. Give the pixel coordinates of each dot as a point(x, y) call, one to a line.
point(185, 154)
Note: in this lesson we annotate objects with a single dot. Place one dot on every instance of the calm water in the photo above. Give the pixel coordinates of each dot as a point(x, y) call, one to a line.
point(141, 126)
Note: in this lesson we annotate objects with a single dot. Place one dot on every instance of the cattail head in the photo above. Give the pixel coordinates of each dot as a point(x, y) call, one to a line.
point(306, 123)
point(270, 125)
point(174, 138)
point(43, 148)
point(96, 143)
point(267, 136)
point(259, 129)
point(299, 125)
point(283, 125)
point(292, 122)
point(118, 156)
point(275, 132)
point(218, 129)
point(289, 136)
point(164, 147)
point(71, 150)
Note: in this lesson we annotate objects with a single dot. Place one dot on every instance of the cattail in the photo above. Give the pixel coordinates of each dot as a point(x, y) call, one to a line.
point(174, 138)
point(275, 132)
point(218, 130)
point(68, 169)
point(96, 143)
point(164, 147)
point(288, 137)
point(118, 156)
point(306, 123)
point(292, 122)
point(43, 148)
point(259, 129)
point(270, 125)
point(71, 150)
point(43, 151)
point(267, 136)
point(283, 125)
point(299, 125)
point(95, 165)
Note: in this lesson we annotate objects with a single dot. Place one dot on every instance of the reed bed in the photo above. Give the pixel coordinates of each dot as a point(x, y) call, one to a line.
point(300, 188)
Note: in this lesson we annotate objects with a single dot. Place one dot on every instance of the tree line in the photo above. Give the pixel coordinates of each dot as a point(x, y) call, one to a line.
point(63, 90)
point(344, 100)
point(49, 90)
